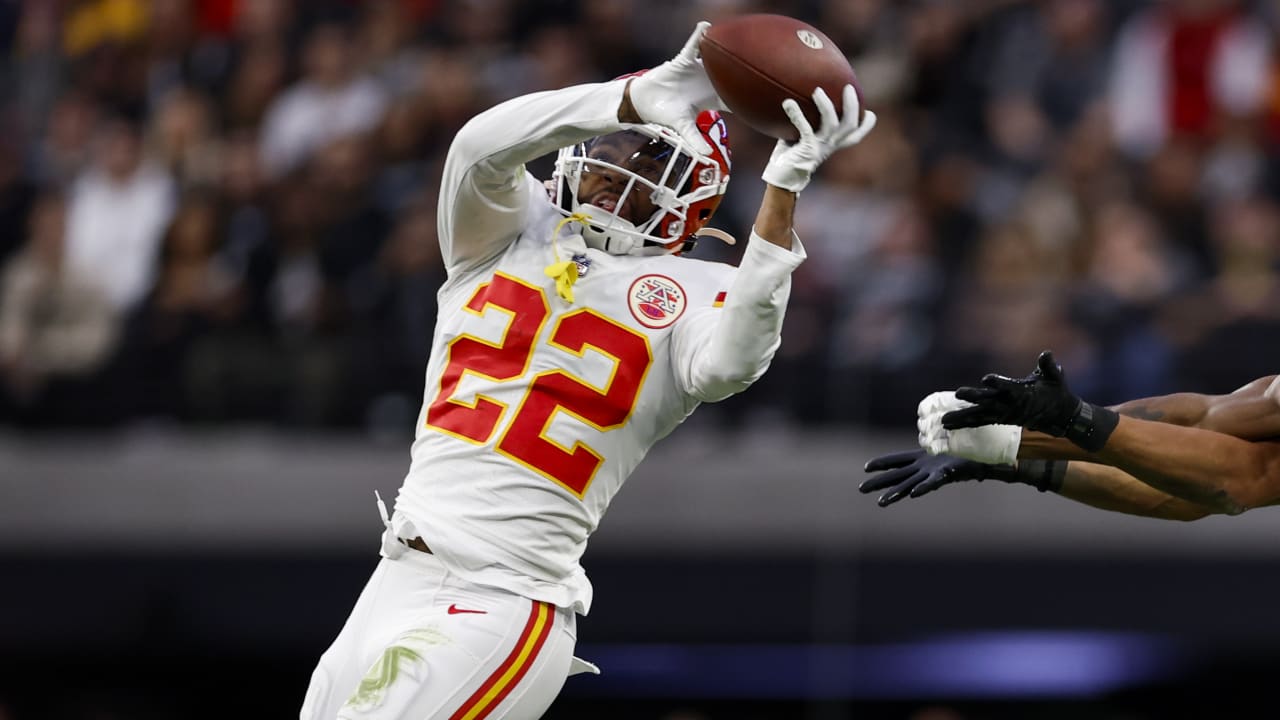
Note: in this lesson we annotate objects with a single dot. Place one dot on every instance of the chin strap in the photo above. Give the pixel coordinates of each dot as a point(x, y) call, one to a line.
point(565, 272)
point(718, 234)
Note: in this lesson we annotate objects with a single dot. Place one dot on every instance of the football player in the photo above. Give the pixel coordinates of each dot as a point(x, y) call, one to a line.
point(571, 337)
point(1177, 457)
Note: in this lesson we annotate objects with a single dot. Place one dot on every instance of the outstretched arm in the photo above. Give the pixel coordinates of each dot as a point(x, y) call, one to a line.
point(1195, 461)
point(1109, 488)
point(1251, 412)
point(1221, 472)
point(720, 353)
point(915, 473)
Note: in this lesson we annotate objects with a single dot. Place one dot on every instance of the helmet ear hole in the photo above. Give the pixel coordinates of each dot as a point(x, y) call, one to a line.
point(704, 214)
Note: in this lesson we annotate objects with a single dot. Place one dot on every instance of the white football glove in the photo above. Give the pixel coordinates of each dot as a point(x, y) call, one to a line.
point(673, 93)
point(792, 164)
point(991, 444)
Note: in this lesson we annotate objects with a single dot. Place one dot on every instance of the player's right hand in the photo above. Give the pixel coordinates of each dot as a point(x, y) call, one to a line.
point(915, 472)
point(793, 163)
point(673, 93)
point(1040, 401)
point(993, 444)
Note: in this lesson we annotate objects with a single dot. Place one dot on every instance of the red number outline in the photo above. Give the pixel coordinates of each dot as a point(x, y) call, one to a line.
point(549, 392)
point(476, 421)
point(526, 441)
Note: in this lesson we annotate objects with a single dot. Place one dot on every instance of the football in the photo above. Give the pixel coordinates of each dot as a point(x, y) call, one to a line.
point(757, 61)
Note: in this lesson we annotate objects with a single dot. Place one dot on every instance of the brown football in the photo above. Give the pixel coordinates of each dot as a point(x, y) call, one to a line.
point(757, 61)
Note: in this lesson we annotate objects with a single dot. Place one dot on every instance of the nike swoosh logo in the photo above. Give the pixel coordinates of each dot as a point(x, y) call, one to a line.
point(455, 610)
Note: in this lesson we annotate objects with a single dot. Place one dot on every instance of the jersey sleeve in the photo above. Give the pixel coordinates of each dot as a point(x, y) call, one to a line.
point(485, 192)
point(719, 351)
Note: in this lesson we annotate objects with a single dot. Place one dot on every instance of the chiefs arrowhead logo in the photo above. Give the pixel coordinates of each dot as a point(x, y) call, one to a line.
point(656, 301)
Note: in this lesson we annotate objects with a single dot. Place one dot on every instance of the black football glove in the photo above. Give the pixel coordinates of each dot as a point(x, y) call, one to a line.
point(916, 472)
point(1040, 401)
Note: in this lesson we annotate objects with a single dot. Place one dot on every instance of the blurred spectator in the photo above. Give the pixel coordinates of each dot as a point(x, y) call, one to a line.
point(245, 212)
point(94, 23)
point(1129, 274)
point(331, 100)
point(36, 69)
point(171, 43)
point(1019, 141)
point(385, 48)
point(56, 327)
point(1086, 173)
point(194, 296)
point(451, 90)
point(1235, 314)
point(353, 227)
point(552, 58)
point(865, 310)
point(885, 324)
point(106, 43)
point(263, 21)
point(395, 304)
point(118, 211)
point(255, 82)
point(60, 155)
point(944, 81)
point(183, 138)
point(1008, 303)
point(401, 148)
point(16, 196)
point(1056, 54)
point(1092, 176)
point(484, 29)
point(611, 42)
point(1181, 66)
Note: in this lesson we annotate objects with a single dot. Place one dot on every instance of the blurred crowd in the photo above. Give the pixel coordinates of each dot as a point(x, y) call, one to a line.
point(219, 211)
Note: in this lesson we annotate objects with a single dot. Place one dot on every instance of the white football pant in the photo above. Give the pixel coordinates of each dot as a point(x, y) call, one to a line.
point(422, 644)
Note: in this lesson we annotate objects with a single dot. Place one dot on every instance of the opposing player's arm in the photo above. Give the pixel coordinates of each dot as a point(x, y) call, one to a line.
point(1251, 412)
point(1109, 488)
point(1184, 452)
point(917, 473)
point(1220, 471)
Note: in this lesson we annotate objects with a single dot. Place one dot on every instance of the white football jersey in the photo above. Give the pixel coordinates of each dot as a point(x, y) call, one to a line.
point(536, 409)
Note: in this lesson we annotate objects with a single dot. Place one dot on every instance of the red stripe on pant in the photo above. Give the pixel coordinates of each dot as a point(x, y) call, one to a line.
point(499, 684)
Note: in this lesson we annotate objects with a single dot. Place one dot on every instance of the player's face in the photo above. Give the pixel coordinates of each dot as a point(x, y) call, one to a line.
point(632, 151)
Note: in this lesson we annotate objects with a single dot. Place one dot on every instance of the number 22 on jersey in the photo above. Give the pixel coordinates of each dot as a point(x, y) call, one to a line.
point(551, 391)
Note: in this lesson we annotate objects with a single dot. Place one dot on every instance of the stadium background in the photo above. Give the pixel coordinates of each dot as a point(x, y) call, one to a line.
point(217, 275)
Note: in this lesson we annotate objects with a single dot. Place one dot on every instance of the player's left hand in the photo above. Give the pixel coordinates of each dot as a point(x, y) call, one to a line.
point(793, 163)
point(915, 473)
point(993, 444)
point(673, 93)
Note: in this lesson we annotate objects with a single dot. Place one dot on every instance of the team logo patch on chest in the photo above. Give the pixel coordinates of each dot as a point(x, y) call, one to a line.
point(656, 301)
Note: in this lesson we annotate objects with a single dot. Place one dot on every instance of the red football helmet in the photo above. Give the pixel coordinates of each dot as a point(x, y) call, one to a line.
point(684, 186)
